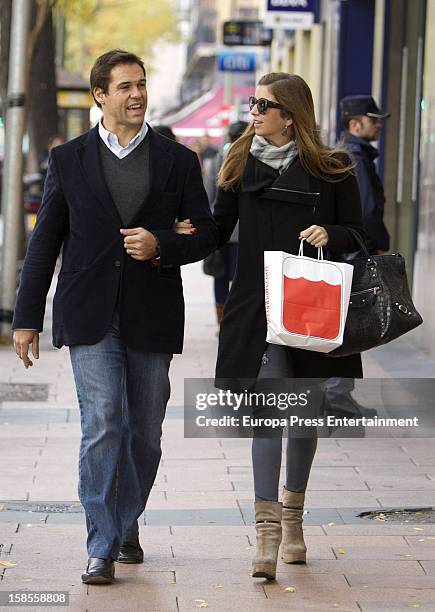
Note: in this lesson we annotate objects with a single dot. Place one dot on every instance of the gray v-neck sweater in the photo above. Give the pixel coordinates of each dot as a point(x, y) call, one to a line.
point(128, 179)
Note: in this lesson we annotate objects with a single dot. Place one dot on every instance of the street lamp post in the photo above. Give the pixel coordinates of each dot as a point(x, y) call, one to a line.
point(13, 160)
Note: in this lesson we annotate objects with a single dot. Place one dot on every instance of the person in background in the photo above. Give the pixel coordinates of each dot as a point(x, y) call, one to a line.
point(228, 251)
point(194, 145)
point(165, 130)
point(53, 141)
point(207, 148)
point(362, 120)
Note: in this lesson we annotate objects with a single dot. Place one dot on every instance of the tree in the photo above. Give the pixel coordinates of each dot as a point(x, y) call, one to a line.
point(95, 26)
point(42, 96)
point(5, 29)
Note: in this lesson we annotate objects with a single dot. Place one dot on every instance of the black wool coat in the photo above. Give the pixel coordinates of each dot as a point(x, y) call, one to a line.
point(272, 210)
point(78, 213)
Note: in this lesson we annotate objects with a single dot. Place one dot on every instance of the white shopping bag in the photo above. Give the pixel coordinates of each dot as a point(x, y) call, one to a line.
point(306, 300)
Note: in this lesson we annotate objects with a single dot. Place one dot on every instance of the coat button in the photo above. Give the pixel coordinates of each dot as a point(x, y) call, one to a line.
point(117, 264)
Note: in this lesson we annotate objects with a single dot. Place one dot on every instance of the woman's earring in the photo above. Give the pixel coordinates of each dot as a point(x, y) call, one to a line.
point(284, 130)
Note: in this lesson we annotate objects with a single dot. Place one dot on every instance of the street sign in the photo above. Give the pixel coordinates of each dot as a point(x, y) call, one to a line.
point(236, 62)
point(239, 33)
point(290, 14)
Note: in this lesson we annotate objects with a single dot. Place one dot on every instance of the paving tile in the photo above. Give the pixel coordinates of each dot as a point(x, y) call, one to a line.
point(309, 596)
point(187, 599)
point(379, 528)
point(342, 499)
point(7, 529)
point(211, 580)
point(390, 595)
point(406, 499)
point(389, 542)
point(345, 565)
point(377, 552)
point(428, 567)
point(391, 582)
point(103, 598)
point(15, 583)
point(380, 484)
point(193, 516)
point(396, 606)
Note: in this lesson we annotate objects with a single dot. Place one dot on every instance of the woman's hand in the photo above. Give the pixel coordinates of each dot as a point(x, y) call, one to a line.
point(315, 235)
point(184, 227)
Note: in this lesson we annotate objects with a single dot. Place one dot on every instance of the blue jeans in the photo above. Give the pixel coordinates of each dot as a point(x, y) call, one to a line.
point(122, 396)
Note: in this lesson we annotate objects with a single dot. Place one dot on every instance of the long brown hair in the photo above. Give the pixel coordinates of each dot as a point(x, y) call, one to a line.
point(290, 90)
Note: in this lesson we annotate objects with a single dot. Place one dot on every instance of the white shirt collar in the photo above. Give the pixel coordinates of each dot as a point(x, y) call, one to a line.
point(111, 140)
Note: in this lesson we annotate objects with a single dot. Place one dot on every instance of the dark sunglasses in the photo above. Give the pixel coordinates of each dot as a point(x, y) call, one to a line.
point(263, 104)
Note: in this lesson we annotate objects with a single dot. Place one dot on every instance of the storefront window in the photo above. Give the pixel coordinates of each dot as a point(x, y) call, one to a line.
point(424, 260)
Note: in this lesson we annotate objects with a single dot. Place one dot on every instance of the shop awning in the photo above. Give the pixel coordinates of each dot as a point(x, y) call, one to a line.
point(208, 114)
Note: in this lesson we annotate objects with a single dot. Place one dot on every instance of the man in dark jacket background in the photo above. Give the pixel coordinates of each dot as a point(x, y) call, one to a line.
point(110, 200)
point(362, 120)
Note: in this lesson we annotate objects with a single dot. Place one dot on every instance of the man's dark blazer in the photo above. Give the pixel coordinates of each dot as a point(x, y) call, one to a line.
point(78, 212)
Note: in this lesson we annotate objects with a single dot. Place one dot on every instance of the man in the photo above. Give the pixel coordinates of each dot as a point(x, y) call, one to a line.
point(207, 149)
point(111, 198)
point(362, 120)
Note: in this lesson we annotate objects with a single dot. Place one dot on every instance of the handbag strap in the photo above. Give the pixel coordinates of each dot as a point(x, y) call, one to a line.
point(359, 240)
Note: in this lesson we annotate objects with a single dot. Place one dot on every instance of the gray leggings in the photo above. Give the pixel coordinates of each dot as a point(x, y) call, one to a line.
point(267, 452)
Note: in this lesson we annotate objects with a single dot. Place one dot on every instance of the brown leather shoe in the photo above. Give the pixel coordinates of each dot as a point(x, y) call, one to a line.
point(99, 571)
point(130, 552)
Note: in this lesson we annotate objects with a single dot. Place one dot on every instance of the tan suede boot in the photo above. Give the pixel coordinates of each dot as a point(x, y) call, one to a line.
point(268, 526)
point(293, 549)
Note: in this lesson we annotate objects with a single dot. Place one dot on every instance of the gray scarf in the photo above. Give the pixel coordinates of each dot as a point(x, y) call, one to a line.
point(278, 158)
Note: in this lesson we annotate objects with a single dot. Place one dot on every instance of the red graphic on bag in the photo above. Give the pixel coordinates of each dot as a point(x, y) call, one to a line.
point(311, 308)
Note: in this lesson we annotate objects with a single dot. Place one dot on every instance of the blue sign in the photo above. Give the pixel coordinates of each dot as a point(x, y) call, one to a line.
point(299, 6)
point(236, 62)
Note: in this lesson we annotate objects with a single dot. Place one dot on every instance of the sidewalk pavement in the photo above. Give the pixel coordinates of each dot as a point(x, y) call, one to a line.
point(199, 535)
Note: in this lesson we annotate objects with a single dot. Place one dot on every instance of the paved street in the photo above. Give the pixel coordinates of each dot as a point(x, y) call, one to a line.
point(199, 536)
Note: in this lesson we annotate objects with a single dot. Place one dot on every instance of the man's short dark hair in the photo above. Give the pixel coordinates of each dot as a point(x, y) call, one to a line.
point(100, 73)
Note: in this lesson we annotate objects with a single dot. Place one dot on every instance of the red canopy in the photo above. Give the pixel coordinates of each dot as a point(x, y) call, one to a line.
point(212, 116)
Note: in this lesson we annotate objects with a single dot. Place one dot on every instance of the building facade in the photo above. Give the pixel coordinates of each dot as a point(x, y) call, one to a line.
point(384, 48)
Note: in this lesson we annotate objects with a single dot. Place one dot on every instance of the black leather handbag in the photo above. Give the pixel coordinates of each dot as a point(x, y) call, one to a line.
point(380, 307)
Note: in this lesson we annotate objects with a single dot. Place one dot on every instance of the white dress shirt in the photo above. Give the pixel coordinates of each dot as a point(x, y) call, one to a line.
point(111, 140)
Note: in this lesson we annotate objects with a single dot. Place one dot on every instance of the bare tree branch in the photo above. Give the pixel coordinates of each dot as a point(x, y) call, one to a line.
point(42, 12)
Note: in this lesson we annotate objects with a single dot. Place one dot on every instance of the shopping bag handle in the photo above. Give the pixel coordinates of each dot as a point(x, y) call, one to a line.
point(319, 251)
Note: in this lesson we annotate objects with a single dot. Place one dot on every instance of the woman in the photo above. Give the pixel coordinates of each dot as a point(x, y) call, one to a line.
point(282, 184)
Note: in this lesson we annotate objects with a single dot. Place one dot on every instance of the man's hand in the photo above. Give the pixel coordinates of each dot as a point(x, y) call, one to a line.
point(140, 243)
point(184, 227)
point(22, 340)
point(315, 235)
